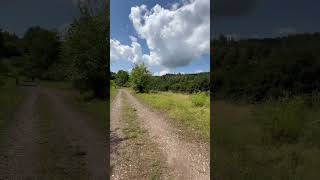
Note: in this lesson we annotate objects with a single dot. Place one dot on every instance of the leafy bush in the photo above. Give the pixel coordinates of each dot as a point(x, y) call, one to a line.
point(199, 99)
point(284, 120)
point(140, 78)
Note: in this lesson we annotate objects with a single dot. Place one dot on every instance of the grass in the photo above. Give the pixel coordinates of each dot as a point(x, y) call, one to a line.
point(113, 92)
point(96, 108)
point(281, 137)
point(10, 97)
point(182, 109)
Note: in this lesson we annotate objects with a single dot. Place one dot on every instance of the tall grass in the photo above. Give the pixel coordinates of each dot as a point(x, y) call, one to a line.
point(113, 90)
point(199, 99)
point(283, 120)
point(10, 97)
point(181, 108)
point(276, 140)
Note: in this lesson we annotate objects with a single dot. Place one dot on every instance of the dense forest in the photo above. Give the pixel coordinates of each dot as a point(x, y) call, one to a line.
point(258, 69)
point(79, 55)
point(184, 83)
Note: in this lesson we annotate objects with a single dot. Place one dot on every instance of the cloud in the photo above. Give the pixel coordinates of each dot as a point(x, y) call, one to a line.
point(175, 37)
point(163, 72)
point(286, 31)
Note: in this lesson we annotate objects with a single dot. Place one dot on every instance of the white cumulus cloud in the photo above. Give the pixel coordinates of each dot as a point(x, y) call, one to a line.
point(174, 37)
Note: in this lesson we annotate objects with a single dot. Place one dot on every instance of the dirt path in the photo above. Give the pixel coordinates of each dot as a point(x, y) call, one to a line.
point(81, 134)
point(18, 153)
point(133, 154)
point(58, 131)
point(117, 138)
point(185, 160)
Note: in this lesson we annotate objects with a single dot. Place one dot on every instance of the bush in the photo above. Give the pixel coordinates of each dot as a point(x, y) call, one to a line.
point(284, 120)
point(140, 78)
point(199, 99)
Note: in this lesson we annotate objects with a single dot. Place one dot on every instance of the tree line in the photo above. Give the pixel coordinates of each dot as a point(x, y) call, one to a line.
point(80, 55)
point(257, 69)
point(142, 81)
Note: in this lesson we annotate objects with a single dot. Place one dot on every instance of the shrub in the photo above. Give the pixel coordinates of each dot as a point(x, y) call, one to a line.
point(199, 99)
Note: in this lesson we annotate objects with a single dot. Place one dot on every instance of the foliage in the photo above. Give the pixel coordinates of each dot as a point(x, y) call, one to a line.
point(199, 99)
point(283, 120)
point(256, 69)
point(122, 78)
point(140, 78)
point(187, 83)
point(41, 50)
point(247, 141)
point(113, 90)
point(86, 51)
point(10, 97)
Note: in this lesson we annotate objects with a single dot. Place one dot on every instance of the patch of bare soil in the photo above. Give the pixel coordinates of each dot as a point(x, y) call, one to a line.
point(186, 159)
point(18, 153)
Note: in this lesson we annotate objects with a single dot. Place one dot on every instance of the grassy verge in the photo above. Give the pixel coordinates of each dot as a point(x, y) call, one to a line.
point(96, 108)
point(113, 92)
point(185, 109)
point(144, 156)
point(280, 136)
point(10, 97)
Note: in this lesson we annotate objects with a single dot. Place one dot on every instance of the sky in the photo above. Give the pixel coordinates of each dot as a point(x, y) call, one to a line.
point(265, 18)
point(169, 36)
point(17, 16)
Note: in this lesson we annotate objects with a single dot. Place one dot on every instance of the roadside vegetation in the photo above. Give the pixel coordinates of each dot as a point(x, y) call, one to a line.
point(113, 90)
point(10, 97)
point(184, 98)
point(266, 108)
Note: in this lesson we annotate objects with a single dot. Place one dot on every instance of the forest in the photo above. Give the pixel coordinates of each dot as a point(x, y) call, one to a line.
point(183, 83)
point(258, 69)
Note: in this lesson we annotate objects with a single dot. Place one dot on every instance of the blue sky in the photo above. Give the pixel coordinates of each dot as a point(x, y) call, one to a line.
point(121, 28)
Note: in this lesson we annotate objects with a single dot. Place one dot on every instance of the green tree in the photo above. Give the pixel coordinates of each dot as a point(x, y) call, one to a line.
point(122, 78)
point(140, 78)
point(42, 49)
point(85, 52)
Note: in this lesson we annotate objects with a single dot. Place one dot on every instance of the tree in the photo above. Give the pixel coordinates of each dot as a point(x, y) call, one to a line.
point(41, 51)
point(85, 52)
point(122, 78)
point(140, 78)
